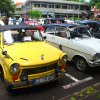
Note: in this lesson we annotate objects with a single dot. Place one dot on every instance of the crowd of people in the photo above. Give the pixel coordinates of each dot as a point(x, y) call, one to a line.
point(12, 20)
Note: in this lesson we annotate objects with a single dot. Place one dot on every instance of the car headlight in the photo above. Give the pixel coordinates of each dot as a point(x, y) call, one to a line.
point(96, 57)
point(64, 58)
point(14, 68)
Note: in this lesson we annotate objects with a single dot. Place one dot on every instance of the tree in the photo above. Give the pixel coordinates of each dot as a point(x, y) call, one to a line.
point(77, 0)
point(7, 7)
point(94, 2)
point(35, 14)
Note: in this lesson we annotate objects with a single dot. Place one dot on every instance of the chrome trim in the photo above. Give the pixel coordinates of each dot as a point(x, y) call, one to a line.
point(94, 63)
point(29, 82)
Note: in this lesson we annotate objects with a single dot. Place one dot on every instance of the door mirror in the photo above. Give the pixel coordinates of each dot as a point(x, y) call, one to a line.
point(44, 37)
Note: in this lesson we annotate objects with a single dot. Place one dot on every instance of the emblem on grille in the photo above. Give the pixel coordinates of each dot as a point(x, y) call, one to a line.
point(42, 57)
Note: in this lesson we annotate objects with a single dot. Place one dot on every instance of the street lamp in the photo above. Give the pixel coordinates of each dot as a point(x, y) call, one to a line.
point(78, 9)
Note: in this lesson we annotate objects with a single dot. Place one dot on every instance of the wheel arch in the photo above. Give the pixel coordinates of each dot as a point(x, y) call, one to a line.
point(77, 56)
point(3, 70)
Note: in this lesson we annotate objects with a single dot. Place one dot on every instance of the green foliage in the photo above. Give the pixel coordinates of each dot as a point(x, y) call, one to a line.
point(35, 14)
point(7, 7)
point(98, 5)
point(94, 2)
point(76, 0)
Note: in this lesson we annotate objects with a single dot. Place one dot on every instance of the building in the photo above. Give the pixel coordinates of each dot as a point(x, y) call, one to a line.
point(18, 11)
point(57, 8)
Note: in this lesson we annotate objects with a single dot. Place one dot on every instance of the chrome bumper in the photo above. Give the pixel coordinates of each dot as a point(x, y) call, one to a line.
point(29, 83)
point(94, 63)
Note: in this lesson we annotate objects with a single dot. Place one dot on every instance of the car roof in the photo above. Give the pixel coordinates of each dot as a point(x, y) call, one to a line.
point(65, 24)
point(16, 27)
point(88, 21)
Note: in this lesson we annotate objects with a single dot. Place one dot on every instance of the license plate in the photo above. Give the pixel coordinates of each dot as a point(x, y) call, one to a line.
point(44, 79)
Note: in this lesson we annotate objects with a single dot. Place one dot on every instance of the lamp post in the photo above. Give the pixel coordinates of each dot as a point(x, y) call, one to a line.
point(78, 9)
point(0, 13)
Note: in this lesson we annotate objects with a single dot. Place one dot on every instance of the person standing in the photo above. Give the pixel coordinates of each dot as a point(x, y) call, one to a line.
point(6, 20)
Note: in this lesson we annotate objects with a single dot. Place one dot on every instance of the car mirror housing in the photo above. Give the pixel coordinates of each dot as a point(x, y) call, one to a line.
point(44, 37)
point(4, 52)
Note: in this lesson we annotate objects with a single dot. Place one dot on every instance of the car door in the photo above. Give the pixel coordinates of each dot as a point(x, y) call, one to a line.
point(50, 35)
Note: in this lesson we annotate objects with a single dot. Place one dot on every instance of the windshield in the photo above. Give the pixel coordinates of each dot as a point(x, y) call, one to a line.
point(14, 36)
point(81, 32)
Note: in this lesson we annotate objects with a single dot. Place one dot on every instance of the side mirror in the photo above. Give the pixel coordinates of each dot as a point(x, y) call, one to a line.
point(44, 37)
point(4, 52)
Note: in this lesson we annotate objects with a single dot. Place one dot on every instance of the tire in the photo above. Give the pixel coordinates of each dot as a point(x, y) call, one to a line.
point(1, 75)
point(8, 88)
point(81, 64)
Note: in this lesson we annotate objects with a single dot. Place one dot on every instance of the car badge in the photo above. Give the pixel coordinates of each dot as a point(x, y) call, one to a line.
point(42, 57)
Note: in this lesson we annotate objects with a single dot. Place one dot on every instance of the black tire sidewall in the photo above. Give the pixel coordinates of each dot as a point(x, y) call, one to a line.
point(76, 60)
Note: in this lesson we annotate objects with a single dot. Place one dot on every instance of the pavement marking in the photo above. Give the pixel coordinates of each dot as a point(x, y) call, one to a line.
point(71, 77)
point(77, 83)
point(84, 93)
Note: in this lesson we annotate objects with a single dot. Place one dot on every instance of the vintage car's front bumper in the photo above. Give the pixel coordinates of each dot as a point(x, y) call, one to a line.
point(29, 83)
point(94, 63)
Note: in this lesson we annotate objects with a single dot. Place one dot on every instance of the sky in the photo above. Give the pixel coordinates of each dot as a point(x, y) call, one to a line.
point(19, 1)
point(25, 0)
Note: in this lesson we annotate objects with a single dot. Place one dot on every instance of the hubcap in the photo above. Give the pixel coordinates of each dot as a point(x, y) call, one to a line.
point(81, 65)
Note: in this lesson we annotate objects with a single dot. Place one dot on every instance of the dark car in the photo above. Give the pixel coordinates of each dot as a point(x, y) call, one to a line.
point(93, 25)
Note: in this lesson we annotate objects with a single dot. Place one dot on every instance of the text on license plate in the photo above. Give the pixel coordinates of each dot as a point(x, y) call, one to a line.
point(44, 79)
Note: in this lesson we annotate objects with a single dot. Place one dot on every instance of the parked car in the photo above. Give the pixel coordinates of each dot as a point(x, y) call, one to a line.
point(83, 50)
point(93, 25)
point(25, 60)
point(35, 24)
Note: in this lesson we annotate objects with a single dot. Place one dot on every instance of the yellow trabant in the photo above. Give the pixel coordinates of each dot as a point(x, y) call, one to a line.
point(26, 59)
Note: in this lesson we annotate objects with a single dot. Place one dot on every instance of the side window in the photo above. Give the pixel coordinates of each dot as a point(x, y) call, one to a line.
point(8, 37)
point(61, 32)
point(50, 29)
point(0, 39)
point(37, 35)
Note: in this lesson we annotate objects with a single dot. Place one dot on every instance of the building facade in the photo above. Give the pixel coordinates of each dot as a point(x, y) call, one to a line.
point(56, 8)
point(18, 11)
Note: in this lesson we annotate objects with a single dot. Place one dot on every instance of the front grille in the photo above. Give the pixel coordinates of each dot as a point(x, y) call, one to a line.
point(41, 69)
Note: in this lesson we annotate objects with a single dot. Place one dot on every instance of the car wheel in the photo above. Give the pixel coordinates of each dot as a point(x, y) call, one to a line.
point(1, 75)
point(81, 64)
point(8, 87)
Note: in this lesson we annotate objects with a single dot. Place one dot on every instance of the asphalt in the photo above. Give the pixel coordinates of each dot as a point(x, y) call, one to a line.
point(88, 93)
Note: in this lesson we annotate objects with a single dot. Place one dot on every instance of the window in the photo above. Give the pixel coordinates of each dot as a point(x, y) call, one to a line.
point(37, 5)
point(57, 6)
point(44, 5)
point(51, 6)
point(64, 6)
point(61, 31)
point(50, 29)
point(15, 36)
point(8, 37)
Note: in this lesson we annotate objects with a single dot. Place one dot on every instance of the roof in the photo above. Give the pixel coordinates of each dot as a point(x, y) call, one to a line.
point(58, 1)
point(64, 24)
point(16, 27)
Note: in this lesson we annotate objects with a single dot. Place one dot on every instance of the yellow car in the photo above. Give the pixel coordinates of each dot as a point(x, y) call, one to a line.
point(26, 59)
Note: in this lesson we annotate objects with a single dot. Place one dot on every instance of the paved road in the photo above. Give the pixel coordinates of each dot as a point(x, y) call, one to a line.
point(72, 83)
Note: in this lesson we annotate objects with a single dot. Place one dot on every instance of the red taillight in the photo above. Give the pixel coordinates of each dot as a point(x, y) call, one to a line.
point(62, 66)
point(14, 77)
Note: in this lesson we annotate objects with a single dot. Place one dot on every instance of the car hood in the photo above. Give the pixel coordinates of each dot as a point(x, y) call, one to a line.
point(92, 43)
point(33, 53)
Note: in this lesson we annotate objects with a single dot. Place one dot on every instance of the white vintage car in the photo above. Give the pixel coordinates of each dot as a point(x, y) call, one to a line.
point(82, 49)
